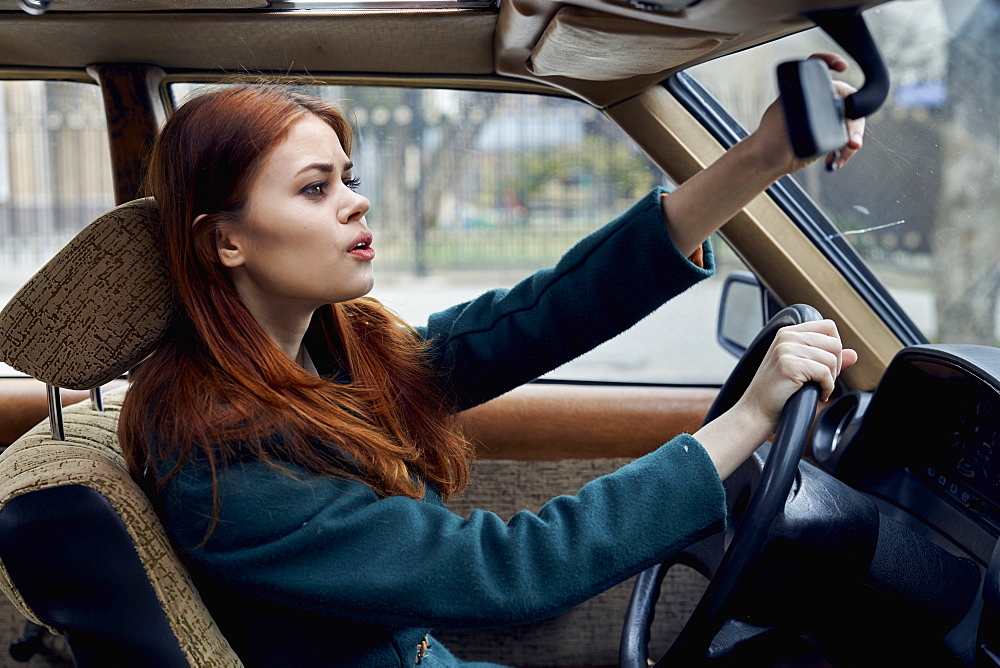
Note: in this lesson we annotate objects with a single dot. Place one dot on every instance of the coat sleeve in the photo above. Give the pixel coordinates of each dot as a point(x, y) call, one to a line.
point(605, 284)
point(331, 546)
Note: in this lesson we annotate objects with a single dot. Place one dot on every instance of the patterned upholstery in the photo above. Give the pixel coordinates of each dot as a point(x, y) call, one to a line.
point(90, 456)
point(97, 308)
point(90, 314)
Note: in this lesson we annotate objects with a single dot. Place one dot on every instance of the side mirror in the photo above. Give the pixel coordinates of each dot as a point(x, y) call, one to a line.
point(743, 309)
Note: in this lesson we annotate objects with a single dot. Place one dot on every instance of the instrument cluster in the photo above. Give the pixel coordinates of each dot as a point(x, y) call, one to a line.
point(935, 417)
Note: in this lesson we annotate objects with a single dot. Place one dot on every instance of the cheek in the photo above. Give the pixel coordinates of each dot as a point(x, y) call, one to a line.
point(291, 233)
point(278, 237)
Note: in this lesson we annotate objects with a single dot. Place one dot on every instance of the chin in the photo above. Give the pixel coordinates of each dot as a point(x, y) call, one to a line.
point(346, 296)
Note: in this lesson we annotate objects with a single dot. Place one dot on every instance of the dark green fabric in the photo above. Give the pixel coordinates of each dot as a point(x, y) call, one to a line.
point(605, 284)
point(304, 570)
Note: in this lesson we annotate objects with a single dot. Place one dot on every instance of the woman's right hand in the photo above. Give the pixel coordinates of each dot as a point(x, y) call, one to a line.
point(710, 198)
point(799, 354)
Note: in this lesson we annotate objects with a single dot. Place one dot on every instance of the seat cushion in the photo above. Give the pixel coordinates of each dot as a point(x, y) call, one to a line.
point(90, 458)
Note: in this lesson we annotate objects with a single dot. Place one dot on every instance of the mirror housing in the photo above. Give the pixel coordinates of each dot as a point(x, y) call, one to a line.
point(806, 89)
point(744, 307)
point(814, 112)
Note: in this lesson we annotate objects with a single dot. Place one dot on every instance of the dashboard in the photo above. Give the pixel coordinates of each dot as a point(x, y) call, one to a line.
point(924, 447)
point(966, 467)
point(926, 442)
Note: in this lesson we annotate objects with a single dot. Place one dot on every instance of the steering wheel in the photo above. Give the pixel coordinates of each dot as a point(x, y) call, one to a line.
point(712, 611)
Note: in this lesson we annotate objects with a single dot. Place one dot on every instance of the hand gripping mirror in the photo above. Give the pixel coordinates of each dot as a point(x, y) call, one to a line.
point(814, 112)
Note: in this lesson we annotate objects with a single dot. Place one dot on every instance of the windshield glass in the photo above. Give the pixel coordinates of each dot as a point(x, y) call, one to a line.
point(920, 203)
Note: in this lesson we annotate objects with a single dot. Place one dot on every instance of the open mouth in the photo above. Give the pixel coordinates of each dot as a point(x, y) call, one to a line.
point(363, 242)
point(363, 248)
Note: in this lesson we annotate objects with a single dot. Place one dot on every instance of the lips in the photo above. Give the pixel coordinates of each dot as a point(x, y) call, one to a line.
point(362, 247)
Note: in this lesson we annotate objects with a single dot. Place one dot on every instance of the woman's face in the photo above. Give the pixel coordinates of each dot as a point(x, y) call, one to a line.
point(303, 241)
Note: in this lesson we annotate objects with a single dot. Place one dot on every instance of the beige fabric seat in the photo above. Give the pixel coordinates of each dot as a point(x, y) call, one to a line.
point(81, 549)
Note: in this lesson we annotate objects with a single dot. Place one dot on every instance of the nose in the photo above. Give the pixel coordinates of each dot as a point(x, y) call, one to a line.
point(354, 208)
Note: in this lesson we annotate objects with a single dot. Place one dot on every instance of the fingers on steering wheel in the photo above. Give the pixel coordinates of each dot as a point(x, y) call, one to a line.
point(814, 353)
point(804, 363)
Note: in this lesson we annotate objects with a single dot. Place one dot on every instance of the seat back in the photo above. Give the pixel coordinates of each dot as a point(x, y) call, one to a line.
point(82, 551)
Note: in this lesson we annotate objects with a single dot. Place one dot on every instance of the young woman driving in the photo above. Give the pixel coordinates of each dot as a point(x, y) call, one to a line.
point(298, 438)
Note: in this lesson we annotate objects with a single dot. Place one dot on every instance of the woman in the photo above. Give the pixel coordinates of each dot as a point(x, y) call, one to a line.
point(297, 437)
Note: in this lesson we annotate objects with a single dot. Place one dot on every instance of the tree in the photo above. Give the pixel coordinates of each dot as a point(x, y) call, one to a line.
point(967, 242)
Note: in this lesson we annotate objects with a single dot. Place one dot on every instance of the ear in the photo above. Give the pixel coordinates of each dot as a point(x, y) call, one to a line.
point(228, 244)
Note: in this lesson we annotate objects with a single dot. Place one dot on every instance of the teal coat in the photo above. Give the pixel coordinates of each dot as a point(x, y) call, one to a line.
point(320, 571)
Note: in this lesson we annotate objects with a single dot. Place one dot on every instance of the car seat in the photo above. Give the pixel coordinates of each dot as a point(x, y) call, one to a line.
point(82, 551)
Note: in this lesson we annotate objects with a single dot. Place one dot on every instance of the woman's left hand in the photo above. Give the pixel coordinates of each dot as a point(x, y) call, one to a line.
point(771, 137)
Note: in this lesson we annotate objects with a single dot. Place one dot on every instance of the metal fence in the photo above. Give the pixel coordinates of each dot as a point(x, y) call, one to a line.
point(458, 180)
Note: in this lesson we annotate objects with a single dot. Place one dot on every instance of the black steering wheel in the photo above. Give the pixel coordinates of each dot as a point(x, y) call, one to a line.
point(693, 643)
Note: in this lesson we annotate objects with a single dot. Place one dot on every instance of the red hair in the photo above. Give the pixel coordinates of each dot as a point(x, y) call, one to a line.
point(218, 385)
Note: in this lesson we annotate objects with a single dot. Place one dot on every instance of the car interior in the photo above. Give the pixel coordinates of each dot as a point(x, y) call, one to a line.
point(864, 533)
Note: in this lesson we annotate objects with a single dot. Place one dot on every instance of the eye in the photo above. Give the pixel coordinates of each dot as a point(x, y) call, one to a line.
point(353, 184)
point(315, 189)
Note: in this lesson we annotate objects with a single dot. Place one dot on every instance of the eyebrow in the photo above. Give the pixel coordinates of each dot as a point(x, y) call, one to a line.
point(325, 167)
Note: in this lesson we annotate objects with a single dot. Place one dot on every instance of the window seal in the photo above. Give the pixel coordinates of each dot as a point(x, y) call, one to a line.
point(801, 209)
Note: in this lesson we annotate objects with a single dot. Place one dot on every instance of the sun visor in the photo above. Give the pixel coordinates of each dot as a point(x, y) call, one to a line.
point(594, 46)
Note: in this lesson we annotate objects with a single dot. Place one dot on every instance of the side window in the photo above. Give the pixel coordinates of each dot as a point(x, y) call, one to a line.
point(476, 190)
point(55, 173)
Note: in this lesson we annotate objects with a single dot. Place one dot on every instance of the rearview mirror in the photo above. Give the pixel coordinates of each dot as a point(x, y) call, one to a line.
point(814, 112)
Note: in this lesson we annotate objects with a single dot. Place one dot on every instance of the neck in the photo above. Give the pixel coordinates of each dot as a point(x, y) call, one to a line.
point(284, 320)
point(305, 361)
point(287, 336)
point(286, 328)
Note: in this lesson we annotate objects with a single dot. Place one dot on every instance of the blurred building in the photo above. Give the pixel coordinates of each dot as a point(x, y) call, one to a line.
point(54, 168)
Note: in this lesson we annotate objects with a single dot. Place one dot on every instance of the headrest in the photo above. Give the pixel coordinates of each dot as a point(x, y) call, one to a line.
point(97, 308)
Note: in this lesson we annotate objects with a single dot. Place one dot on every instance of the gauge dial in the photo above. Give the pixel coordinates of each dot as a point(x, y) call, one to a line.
point(974, 438)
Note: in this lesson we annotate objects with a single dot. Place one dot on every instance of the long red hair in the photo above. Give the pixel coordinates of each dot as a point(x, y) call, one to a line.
point(218, 385)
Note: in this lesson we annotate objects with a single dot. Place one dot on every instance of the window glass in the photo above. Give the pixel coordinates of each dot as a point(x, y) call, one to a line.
point(474, 190)
point(55, 173)
point(920, 203)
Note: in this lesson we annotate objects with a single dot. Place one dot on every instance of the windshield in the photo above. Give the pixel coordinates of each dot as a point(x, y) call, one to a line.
point(919, 205)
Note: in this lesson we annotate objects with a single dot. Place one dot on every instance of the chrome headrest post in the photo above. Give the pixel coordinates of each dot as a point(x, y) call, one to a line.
point(55, 413)
point(96, 400)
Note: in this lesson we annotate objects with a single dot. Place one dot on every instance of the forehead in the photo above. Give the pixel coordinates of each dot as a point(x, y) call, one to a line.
point(309, 141)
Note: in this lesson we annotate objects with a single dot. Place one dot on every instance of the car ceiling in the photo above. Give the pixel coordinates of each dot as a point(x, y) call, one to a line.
point(537, 40)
